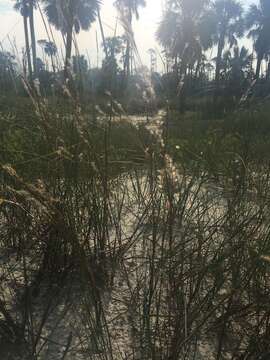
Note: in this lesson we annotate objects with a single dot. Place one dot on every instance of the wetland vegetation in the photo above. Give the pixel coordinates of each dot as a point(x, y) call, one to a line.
point(134, 201)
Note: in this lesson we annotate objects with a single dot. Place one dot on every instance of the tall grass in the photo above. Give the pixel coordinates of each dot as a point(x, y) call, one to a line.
point(125, 241)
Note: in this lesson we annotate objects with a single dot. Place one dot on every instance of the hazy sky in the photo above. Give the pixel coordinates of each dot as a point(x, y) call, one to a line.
point(11, 24)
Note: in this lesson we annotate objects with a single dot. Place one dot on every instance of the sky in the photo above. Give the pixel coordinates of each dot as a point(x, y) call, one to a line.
point(11, 29)
point(12, 36)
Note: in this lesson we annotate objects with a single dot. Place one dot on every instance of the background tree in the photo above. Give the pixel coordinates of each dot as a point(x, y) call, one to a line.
point(110, 68)
point(128, 9)
point(226, 15)
point(79, 65)
point(26, 8)
point(80, 72)
point(33, 35)
point(258, 24)
point(40, 66)
point(69, 15)
point(7, 70)
point(23, 7)
point(183, 34)
point(237, 64)
point(50, 49)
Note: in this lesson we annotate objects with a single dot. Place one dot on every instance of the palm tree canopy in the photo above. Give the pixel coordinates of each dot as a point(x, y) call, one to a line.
point(189, 8)
point(167, 32)
point(114, 45)
point(183, 27)
point(258, 24)
point(238, 61)
point(226, 19)
point(49, 47)
point(79, 13)
point(23, 6)
point(7, 61)
point(131, 6)
point(79, 64)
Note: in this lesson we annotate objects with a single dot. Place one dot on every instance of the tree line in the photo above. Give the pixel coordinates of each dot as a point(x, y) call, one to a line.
point(200, 40)
point(192, 28)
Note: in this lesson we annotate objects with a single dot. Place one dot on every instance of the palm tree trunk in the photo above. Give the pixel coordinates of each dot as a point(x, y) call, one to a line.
point(27, 46)
point(53, 65)
point(258, 67)
point(182, 80)
point(268, 71)
point(198, 67)
point(68, 51)
point(69, 38)
point(218, 62)
point(33, 37)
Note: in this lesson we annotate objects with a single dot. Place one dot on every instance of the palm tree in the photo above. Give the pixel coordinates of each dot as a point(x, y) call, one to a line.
point(226, 15)
point(70, 15)
point(50, 49)
point(224, 18)
point(258, 22)
point(23, 7)
point(127, 9)
point(184, 34)
point(237, 69)
point(7, 70)
point(33, 34)
point(168, 34)
point(114, 46)
point(26, 8)
point(79, 65)
point(40, 66)
point(238, 62)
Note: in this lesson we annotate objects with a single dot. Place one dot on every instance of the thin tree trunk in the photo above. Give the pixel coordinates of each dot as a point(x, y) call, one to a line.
point(27, 46)
point(176, 68)
point(102, 34)
point(198, 68)
point(218, 62)
point(131, 62)
point(258, 67)
point(182, 80)
point(33, 37)
point(53, 65)
point(128, 50)
point(128, 59)
point(68, 51)
point(268, 71)
point(69, 38)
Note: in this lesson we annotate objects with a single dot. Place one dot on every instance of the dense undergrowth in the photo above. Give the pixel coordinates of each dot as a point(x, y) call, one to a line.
point(122, 240)
point(134, 205)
